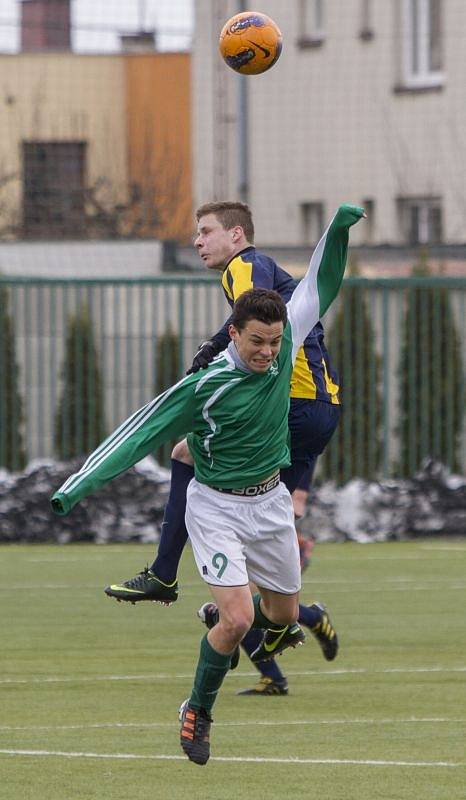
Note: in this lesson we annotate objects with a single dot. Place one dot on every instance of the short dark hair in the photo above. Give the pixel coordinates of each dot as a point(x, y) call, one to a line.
point(264, 305)
point(230, 214)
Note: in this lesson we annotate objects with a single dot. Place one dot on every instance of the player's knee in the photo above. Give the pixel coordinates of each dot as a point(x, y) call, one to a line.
point(181, 452)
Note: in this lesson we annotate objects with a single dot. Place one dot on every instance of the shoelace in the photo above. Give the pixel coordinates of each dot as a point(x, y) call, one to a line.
point(135, 582)
point(203, 726)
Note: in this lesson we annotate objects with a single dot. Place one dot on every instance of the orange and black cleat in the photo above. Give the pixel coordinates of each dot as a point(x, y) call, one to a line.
point(194, 733)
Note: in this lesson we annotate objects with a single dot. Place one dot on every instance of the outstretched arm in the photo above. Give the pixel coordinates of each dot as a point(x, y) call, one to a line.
point(167, 416)
point(321, 283)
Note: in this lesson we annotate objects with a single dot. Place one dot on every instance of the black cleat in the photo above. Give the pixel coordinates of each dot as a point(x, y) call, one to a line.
point(325, 633)
point(208, 614)
point(194, 733)
point(275, 642)
point(145, 586)
point(267, 686)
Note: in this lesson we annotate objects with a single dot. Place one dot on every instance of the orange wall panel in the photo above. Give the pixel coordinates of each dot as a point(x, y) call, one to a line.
point(158, 96)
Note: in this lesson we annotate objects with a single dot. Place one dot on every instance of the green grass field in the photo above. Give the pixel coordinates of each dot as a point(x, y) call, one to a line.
point(90, 688)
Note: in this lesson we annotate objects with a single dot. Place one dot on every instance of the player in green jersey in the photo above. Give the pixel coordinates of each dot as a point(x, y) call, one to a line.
point(239, 516)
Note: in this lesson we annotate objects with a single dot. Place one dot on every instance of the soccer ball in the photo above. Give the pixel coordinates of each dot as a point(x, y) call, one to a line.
point(250, 42)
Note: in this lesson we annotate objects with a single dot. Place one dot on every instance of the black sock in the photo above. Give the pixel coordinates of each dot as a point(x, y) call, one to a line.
point(173, 534)
point(308, 616)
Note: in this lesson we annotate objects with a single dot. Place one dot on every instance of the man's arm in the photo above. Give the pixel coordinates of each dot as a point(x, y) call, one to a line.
point(167, 416)
point(321, 283)
point(208, 350)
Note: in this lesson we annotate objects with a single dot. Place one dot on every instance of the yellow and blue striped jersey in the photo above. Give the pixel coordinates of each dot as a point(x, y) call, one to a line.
point(313, 376)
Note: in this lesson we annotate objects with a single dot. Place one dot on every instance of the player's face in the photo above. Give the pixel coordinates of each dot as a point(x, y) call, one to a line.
point(216, 245)
point(258, 343)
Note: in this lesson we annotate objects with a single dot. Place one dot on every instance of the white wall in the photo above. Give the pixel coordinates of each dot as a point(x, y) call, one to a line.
point(326, 123)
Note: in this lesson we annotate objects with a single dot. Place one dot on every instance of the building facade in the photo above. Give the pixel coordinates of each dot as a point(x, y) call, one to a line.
point(366, 104)
point(92, 146)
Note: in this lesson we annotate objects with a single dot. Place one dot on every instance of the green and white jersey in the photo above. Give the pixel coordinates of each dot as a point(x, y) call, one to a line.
point(240, 430)
point(237, 420)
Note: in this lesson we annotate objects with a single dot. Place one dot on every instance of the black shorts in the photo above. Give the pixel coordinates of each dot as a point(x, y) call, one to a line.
point(312, 424)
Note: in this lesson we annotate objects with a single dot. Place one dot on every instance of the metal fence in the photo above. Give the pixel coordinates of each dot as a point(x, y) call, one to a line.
point(72, 350)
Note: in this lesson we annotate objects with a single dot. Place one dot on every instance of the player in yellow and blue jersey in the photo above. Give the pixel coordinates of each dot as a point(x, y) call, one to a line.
point(314, 402)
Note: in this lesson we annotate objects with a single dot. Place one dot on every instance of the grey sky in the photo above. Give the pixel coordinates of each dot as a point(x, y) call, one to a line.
point(97, 23)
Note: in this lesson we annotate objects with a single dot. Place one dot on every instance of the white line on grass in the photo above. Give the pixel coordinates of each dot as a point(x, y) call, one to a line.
point(187, 676)
point(39, 587)
point(341, 588)
point(397, 579)
point(235, 759)
point(370, 671)
point(445, 547)
point(65, 560)
point(259, 723)
point(424, 556)
point(454, 586)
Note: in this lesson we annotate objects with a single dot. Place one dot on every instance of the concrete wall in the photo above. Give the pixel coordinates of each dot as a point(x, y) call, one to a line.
point(80, 260)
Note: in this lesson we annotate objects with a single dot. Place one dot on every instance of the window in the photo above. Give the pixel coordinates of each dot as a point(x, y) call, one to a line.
point(366, 30)
point(312, 222)
point(421, 220)
point(422, 43)
point(53, 189)
point(368, 205)
point(311, 23)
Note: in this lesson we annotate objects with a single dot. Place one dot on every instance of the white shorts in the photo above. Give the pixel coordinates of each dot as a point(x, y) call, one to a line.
point(238, 539)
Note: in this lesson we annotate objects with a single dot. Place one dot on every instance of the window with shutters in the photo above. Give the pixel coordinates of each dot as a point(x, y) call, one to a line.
point(53, 189)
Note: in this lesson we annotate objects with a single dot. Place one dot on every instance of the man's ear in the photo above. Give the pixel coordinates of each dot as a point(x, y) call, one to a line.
point(232, 331)
point(237, 233)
